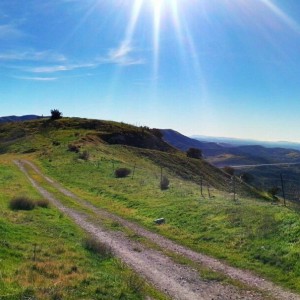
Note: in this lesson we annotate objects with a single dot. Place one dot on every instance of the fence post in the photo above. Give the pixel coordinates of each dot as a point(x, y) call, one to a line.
point(208, 190)
point(34, 252)
point(234, 191)
point(133, 171)
point(282, 186)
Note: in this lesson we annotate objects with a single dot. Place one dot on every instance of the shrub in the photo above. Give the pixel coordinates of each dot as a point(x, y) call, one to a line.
point(93, 245)
point(55, 114)
point(135, 283)
point(122, 172)
point(157, 133)
point(229, 170)
point(84, 155)
point(73, 148)
point(164, 183)
point(42, 203)
point(194, 153)
point(55, 143)
point(21, 203)
point(273, 191)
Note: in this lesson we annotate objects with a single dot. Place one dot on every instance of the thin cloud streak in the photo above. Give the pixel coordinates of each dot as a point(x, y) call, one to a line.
point(10, 31)
point(31, 55)
point(36, 78)
point(121, 56)
point(60, 68)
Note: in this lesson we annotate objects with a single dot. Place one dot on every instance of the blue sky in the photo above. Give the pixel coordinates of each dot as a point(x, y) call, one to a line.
point(212, 67)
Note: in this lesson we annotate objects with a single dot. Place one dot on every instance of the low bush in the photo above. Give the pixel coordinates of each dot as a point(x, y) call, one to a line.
point(42, 203)
point(97, 247)
point(55, 143)
point(164, 183)
point(136, 283)
point(122, 172)
point(194, 153)
point(84, 155)
point(73, 148)
point(21, 203)
point(229, 170)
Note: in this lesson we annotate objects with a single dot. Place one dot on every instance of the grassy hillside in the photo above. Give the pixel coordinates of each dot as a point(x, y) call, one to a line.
point(83, 155)
point(46, 138)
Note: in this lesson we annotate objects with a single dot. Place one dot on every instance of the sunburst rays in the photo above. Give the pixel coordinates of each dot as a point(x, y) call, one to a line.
point(187, 47)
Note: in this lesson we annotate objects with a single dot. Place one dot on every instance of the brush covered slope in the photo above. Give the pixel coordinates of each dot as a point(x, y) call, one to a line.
point(77, 135)
point(83, 155)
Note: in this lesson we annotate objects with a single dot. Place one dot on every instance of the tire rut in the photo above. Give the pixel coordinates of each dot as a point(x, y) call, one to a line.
point(181, 282)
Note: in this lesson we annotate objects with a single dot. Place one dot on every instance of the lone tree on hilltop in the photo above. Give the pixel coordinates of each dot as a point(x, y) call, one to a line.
point(194, 153)
point(55, 114)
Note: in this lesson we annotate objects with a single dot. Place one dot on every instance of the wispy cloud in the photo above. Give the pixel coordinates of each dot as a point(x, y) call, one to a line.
point(32, 55)
point(50, 62)
point(120, 56)
point(60, 68)
point(36, 78)
point(123, 55)
point(10, 31)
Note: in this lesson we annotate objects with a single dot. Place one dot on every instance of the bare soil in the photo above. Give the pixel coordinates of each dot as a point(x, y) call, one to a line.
point(176, 280)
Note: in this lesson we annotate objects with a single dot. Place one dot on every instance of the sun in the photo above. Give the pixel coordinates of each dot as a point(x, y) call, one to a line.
point(159, 5)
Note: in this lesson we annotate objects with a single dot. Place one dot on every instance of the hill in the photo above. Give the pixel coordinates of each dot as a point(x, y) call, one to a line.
point(82, 155)
point(19, 119)
point(221, 154)
point(183, 143)
point(231, 142)
point(265, 165)
point(39, 136)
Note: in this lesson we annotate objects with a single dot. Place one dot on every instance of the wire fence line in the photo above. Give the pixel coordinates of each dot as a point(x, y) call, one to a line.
point(281, 182)
point(287, 187)
point(152, 177)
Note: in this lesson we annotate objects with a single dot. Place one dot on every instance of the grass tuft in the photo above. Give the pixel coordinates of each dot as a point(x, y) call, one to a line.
point(21, 203)
point(164, 184)
point(44, 203)
point(93, 245)
point(122, 172)
point(136, 283)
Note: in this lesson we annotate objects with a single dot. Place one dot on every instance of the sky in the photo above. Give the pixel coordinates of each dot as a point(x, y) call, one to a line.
point(208, 67)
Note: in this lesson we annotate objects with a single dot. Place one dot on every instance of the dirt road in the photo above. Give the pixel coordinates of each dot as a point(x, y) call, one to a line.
point(178, 281)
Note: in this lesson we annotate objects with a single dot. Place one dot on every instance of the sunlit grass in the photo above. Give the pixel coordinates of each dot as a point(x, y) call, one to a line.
point(248, 233)
point(42, 255)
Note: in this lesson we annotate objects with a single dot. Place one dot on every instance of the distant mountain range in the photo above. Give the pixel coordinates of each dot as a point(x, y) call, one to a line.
point(262, 162)
point(225, 152)
point(18, 119)
point(224, 141)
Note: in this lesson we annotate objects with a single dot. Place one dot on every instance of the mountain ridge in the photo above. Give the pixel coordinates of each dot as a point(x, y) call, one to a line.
point(14, 118)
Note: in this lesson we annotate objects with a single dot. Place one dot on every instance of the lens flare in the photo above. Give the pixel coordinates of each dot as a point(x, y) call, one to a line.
point(282, 15)
point(157, 6)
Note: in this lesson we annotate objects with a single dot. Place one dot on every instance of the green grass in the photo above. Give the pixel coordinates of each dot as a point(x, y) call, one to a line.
point(250, 233)
point(42, 255)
